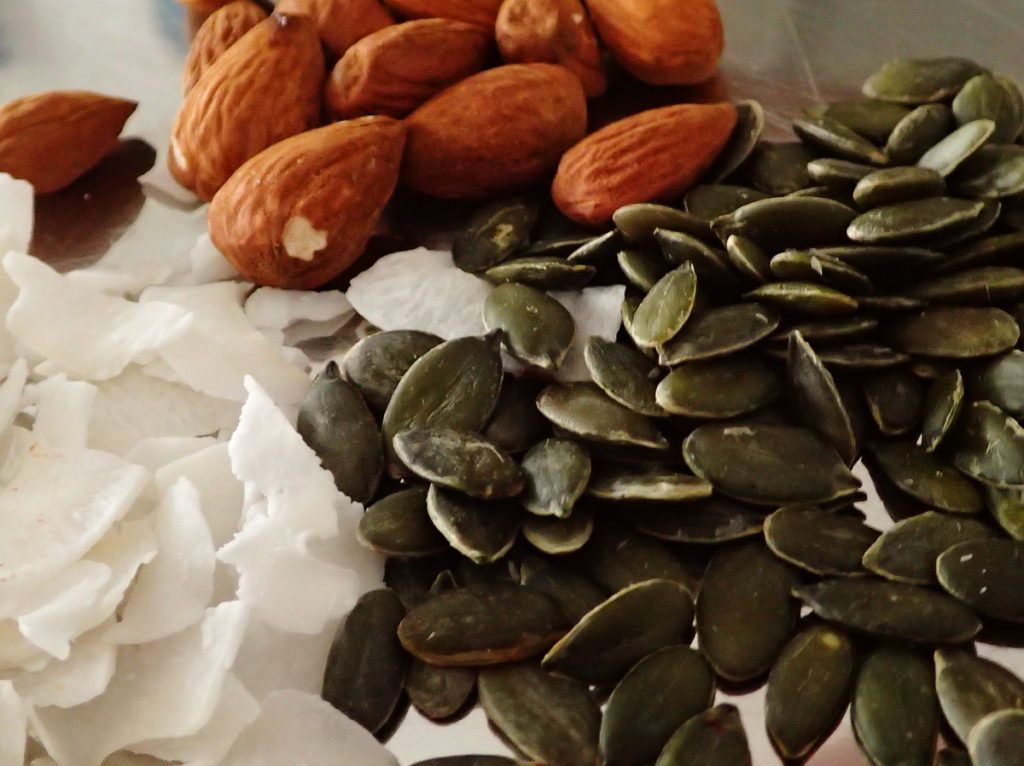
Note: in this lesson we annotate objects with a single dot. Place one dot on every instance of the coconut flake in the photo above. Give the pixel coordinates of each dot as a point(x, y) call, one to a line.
point(156, 452)
point(17, 202)
point(159, 183)
point(83, 676)
point(597, 311)
point(11, 391)
point(63, 410)
point(270, 659)
point(272, 307)
point(17, 652)
point(13, 726)
point(206, 264)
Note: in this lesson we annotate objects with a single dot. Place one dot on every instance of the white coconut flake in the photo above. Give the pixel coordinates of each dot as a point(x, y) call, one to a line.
point(597, 311)
point(209, 470)
point(206, 264)
point(52, 626)
point(13, 726)
point(17, 652)
point(156, 452)
point(90, 335)
point(17, 203)
point(11, 392)
point(270, 659)
point(159, 183)
point(276, 308)
point(63, 410)
point(83, 676)
point(298, 728)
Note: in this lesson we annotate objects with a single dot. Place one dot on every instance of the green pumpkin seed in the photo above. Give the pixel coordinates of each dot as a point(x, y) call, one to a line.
point(597, 251)
point(553, 720)
point(891, 610)
point(895, 399)
point(535, 328)
point(641, 268)
point(560, 246)
point(999, 248)
point(623, 374)
point(862, 356)
point(928, 478)
point(544, 272)
point(947, 155)
point(874, 120)
point(991, 446)
point(720, 332)
point(556, 474)
point(470, 760)
point(493, 233)
point(804, 298)
point(398, 525)
point(670, 686)
point(768, 464)
point(986, 573)
point(916, 133)
point(956, 332)
point(838, 174)
point(412, 579)
point(993, 171)
point(638, 222)
point(812, 266)
point(827, 330)
point(620, 632)
point(718, 388)
point(885, 263)
point(778, 168)
point(646, 484)
point(1007, 507)
point(712, 738)
point(336, 423)
point(900, 184)
point(907, 551)
point(709, 263)
point(515, 424)
point(575, 594)
point(808, 690)
point(971, 687)
point(460, 460)
point(708, 201)
point(439, 692)
point(483, 624)
point(453, 385)
point(584, 410)
point(836, 193)
point(970, 231)
point(996, 739)
point(821, 543)
point(787, 222)
point(481, 531)
point(895, 710)
point(985, 286)
point(911, 220)
point(366, 666)
point(837, 139)
point(818, 399)
point(920, 81)
point(748, 258)
point(953, 757)
point(665, 309)
point(995, 98)
point(714, 520)
point(742, 141)
point(890, 304)
point(1001, 382)
point(555, 536)
point(616, 558)
point(376, 363)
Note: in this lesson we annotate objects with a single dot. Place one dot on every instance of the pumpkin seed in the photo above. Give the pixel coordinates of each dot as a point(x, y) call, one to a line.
point(709, 263)
point(469, 760)
point(638, 222)
point(833, 192)
point(616, 558)
point(376, 363)
point(804, 298)
point(862, 356)
point(598, 250)
point(947, 154)
point(556, 474)
point(630, 304)
point(1001, 382)
point(885, 263)
point(808, 690)
point(911, 220)
point(986, 96)
point(985, 286)
point(366, 666)
point(482, 624)
point(818, 399)
point(778, 168)
point(916, 133)
point(439, 692)
point(837, 139)
point(745, 614)
point(986, 573)
point(714, 520)
point(412, 579)
point(890, 304)
point(718, 388)
point(813, 266)
point(1007, 507)
point(996, 739)
point(575, 594)
point(920, 81)
point(827, 330)
point(561, 246)
point(970, 231)
point(666, 307)
point(742, 141)
point(895, 398)
point(971, 687)
point(493, 233)
point(712, 738)
point(838, 174)
point(454, 385)
point(708, 201)
point(787, 222)
point(584, 410)
point(338, 426)
point(555, 536)
point(891, 610)
point(535, 328)
point(515, 424)
point(620, 632)
point(481, 531)
point(874, 120)
point(956, 332)
point(998, 248)
point(907, 551)
point(720, 332)
point(748, 258)
point(398, 525)
point(646, 484)
point(927, 477)
point(993, 171)
point(950, 756)
point(991, 446)
point(895, 710)
point(460, 460)
point(670, 686)
point(641, 268)
point(821, 543)
point(544, 272)
point(623, 374)
point(900, 184)
point(767, 464)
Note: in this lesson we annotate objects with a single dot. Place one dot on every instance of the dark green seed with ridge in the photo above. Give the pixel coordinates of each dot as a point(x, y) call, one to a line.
point(971, 687)
point(712, 738)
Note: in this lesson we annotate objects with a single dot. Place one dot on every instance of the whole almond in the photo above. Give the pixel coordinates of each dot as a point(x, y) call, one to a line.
point(222, 29)
point(261, 90)
point(663, 42)
point(553, 31)
point(395, 69)
point(50, 139)
point(299, 213)
point(482, 13)
point(340, 23)
point(652, 156)
point(204, 6)
point(498, 131)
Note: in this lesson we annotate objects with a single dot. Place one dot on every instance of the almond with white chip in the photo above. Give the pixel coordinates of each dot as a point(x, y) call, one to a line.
point(299, 213)
point(222, 29)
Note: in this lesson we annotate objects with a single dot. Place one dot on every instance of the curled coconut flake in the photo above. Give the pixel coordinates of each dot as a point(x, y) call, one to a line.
point(17, 202)
point(11, 391)
point(156, 452)
point(17, 652)
point(209, 470)
point(270, 658)
point(272, 307)
point(63, 411)
point(206, 264)
point(83, 676)
point(13, 726)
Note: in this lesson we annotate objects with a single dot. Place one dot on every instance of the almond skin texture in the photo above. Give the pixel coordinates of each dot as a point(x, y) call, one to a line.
point(482, 13)
point(652, 156)
point(204, 6)
point(498, 131)
point(298, 214)
point(340, 23)
point(552, 31)
point(50, 139)
point(261, 90)
point(663, 42)
point(396, 69)
point(222, 29)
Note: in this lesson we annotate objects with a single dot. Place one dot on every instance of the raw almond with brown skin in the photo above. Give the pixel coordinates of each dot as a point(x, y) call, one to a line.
point(341, 23)
point(482, 13)
point(663, 42)
point(395, 69)
point(261, 90)
point(222, 29)
point(299, 213)
point(553, 31)
point(50, 139)
point(651, 156)
point(496, 132)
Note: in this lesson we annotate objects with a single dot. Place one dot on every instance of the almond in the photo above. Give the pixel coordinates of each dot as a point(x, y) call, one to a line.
point(340, 23)
point(395, 69)
point(264, 88)
point(204, 6)
point(482, 13)
point(553, 31)
point(663, 42)
point(652, 156)
point(498, 131)
point(50, 139)
point(222, 29)
point(299, 213)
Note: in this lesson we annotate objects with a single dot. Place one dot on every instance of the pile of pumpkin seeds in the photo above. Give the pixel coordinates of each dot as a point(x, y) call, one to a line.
point(553, 548)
